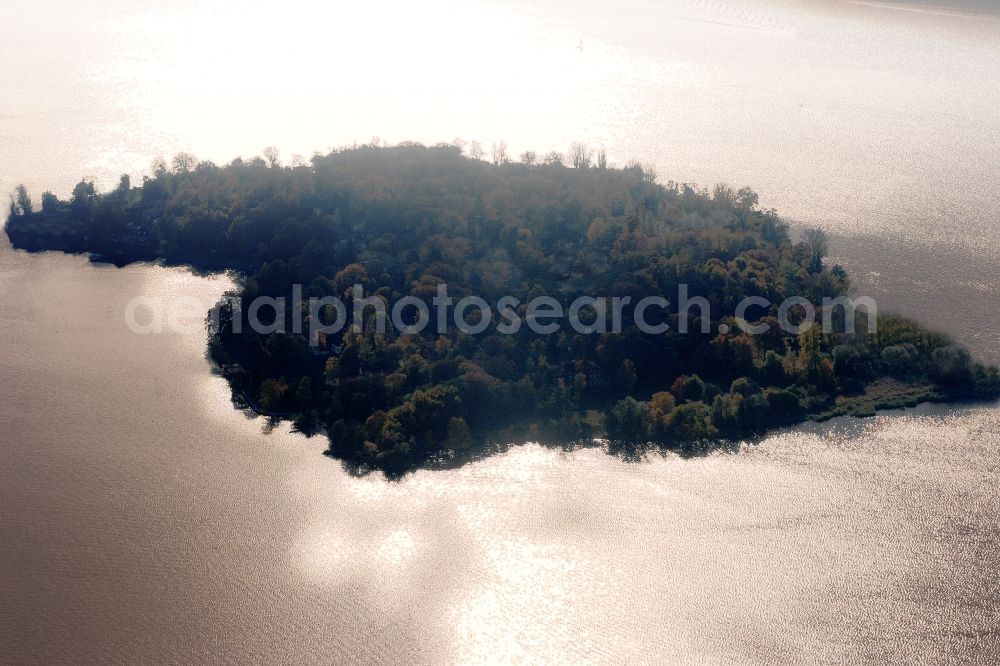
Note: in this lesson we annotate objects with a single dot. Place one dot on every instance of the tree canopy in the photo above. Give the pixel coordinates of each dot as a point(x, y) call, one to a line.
point(403, 220)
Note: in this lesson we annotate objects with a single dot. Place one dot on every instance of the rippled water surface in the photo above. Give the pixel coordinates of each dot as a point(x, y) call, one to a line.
point(143, 519)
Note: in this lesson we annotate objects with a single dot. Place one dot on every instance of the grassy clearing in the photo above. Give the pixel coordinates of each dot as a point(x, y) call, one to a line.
point(886, 393)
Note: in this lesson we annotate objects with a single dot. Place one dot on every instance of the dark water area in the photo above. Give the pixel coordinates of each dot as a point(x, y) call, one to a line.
point(979, 6)
point(951, 289)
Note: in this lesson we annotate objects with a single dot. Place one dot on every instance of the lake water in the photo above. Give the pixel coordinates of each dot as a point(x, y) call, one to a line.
point(143, 519)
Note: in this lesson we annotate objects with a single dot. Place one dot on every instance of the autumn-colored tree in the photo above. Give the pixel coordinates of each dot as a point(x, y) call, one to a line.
point(272, 393)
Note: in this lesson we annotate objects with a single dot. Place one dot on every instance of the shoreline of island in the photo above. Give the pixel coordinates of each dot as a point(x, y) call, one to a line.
point(402, 221)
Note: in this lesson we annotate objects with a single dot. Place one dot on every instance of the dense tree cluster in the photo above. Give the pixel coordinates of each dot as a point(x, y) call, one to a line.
point(402, 220)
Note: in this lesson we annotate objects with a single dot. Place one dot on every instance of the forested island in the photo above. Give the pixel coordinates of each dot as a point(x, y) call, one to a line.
point(401, 221)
